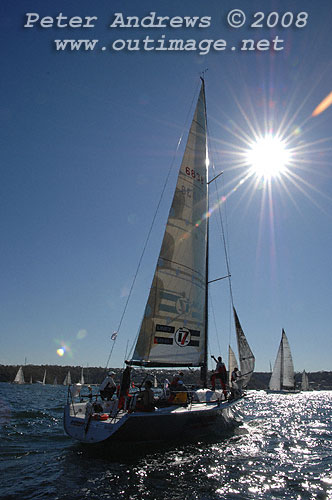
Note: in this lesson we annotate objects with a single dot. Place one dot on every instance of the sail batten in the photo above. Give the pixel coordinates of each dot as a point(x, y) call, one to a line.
point(173, 329)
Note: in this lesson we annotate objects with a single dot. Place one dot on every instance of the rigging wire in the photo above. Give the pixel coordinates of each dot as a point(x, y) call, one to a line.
point(152, 225)
point(223, 235)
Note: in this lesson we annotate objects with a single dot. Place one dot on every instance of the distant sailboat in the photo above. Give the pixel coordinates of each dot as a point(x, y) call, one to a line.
point(30, 380)
point(43, 382)
point(282, 378)
point(55, 381)
point(304, 382)
point(246, 357)
point(19, 379)
point(82, 377)
point(67, 380)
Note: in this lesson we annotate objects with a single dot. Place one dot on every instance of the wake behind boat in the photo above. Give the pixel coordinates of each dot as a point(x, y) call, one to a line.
point(174, 329)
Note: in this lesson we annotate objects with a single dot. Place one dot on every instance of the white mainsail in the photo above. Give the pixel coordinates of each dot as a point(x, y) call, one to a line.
point(55, 381)
point(232, 363)
point(19, 379)
point(82, 377)
point(246, 357)
point(173, 329)
point(305, 382)
point(283, 371)
point(67, 380)
point(44, 379)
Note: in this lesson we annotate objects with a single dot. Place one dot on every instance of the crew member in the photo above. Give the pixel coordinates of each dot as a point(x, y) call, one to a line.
point(220, 374)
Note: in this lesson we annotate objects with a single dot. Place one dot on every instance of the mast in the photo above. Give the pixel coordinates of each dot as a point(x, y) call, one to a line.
point(204, 370)
point(282, 363)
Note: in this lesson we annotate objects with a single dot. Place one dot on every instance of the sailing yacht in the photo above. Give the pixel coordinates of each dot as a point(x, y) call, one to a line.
point(82, 377)
point(19, 379)
point(43, 382)
point(174, 329)
point(282, 380)
point(67, 380)
point(304, 382)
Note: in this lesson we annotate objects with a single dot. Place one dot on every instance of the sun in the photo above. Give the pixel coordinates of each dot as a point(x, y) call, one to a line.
point(268, 157)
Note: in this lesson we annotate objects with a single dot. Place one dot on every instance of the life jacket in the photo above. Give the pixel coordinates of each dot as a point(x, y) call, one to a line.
point(179, 398)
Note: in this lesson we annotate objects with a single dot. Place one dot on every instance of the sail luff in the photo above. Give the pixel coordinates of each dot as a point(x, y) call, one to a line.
point(173, 329)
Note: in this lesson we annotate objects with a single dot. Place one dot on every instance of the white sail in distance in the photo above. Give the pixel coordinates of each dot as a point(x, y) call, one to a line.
point(283, 371)
point(173, 329)
point(304, 381)
point(82, 377)
point(246, 357)
point(19, 379)
point(67, 380)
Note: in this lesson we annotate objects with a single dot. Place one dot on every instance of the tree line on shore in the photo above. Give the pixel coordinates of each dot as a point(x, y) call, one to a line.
point(94, 375)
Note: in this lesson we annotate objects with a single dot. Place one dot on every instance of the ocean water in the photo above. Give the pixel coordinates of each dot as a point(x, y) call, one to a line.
point(283, 450)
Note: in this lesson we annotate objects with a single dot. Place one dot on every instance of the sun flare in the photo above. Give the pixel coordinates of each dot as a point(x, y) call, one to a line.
point(268, 157)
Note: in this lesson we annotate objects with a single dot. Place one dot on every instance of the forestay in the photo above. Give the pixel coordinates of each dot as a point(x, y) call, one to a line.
point(173, 328)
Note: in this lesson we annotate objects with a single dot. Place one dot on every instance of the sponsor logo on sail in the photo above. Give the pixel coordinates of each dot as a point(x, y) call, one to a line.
point(182, 337)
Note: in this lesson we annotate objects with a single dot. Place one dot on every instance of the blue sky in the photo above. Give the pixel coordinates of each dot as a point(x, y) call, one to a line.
point(87, 139)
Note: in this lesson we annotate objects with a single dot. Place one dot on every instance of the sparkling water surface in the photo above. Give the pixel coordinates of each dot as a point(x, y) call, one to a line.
point(283, 450)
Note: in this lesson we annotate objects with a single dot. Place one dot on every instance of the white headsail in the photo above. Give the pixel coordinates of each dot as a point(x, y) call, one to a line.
point(82, 377)
point(67, 380)
point(283, 371)
point(173, 330)
point(246, 357)
point(19, 379)
point(305, 382)
point(232, 363)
